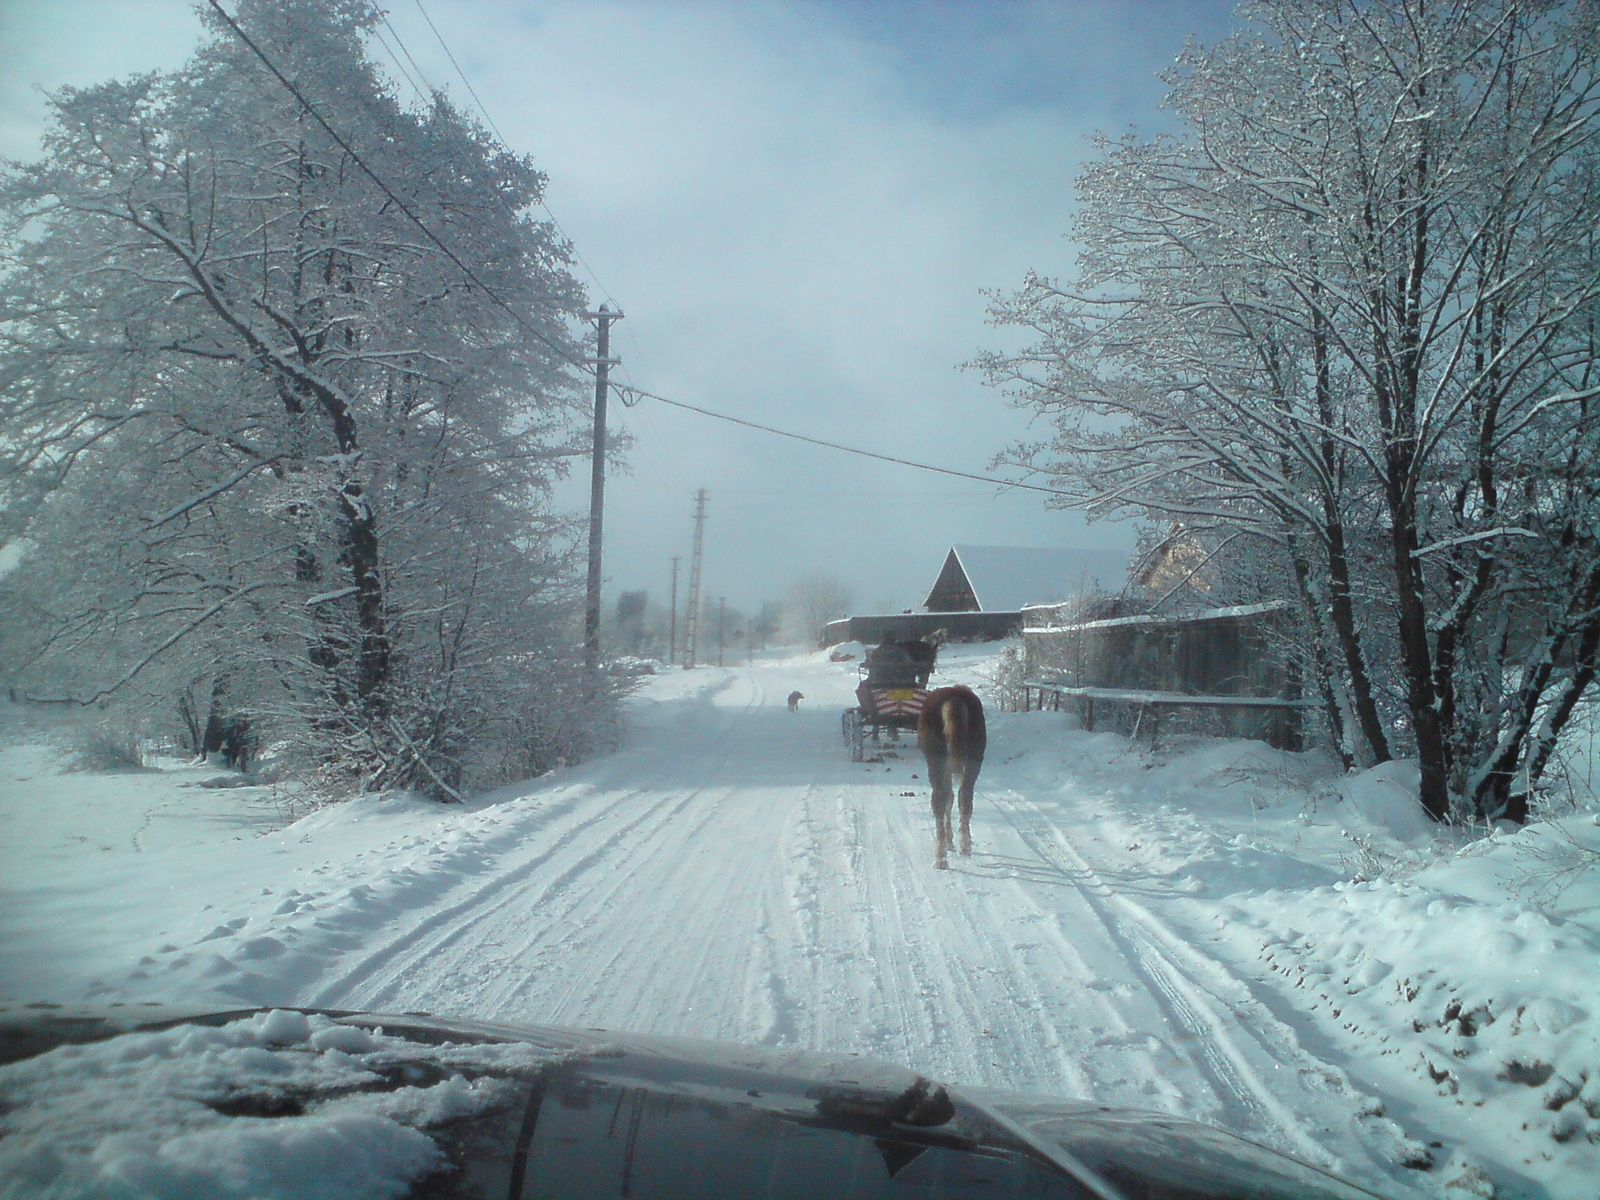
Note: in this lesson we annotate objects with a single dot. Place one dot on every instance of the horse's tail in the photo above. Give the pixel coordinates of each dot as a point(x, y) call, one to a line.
point(965, 733)
point(958, 733)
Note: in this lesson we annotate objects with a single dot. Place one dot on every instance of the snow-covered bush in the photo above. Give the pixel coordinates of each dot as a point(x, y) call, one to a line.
point(105, 750)
point(1004, 677)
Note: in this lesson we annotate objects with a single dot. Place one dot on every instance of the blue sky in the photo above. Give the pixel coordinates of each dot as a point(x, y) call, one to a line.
point(798, 205)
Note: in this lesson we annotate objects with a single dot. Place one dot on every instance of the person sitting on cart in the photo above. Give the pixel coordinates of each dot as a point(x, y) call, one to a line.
point(894, 664)
point(891, 665)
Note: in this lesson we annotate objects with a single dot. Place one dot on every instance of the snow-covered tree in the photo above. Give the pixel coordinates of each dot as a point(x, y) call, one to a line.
point(269, 443)
point(810, 602)
point(1349, 317)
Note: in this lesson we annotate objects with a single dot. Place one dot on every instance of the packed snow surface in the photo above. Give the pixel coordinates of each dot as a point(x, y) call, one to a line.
point(1217, 929)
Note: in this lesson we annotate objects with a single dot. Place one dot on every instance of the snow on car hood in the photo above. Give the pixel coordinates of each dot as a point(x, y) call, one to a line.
point(193, 1110)
point(297, 1104)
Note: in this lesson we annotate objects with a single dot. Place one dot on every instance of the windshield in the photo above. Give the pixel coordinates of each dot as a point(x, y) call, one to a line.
point(1048, 544)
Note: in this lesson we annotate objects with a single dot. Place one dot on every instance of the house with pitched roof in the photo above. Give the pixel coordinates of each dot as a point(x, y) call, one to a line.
point(981, 590)
point(1005, 578)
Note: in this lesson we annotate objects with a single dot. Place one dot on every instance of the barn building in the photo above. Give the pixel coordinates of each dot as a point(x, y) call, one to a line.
point(1005, 578)
point(980, 592)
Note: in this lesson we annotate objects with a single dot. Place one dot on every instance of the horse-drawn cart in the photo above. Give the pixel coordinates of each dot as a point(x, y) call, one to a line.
point(890, 695)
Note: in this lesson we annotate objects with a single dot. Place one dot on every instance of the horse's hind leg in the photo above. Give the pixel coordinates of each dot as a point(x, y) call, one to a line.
point(968, 778)
point(939, 777)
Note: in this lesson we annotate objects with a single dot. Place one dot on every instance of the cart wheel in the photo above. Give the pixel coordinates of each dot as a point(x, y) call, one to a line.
point(854, 738)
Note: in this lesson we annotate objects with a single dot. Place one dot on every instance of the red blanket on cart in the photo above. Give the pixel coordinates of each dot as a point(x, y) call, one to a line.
point(898, 702)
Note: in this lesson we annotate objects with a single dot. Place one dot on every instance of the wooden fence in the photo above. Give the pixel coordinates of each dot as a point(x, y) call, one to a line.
point(1221, 671)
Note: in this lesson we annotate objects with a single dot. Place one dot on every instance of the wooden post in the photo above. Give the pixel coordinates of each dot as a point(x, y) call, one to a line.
point(603, 363)
point(672, 621)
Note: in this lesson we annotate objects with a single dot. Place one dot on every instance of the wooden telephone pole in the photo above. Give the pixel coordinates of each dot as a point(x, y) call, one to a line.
point(603, 362)
point(672, 621)
point(691, 610)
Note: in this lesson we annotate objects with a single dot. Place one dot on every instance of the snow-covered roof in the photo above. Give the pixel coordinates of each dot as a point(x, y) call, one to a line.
point(1151, 620)
point(1004, 578)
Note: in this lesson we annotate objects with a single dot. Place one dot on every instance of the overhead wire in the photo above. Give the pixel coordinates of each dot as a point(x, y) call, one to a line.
point(433, 92)
point(405, 208)
point(462, 75)
point(504, 141)
point(399, 66)
point(641, 394)
point(624, 390)
point(489, 120)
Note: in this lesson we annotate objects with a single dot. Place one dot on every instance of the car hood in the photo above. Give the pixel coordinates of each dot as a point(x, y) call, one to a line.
point(411, 1104)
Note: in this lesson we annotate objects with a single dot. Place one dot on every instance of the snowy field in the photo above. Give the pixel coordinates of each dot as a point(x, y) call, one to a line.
point(1216, 929)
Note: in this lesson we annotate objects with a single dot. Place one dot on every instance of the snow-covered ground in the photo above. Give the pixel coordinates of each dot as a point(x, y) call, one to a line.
point(1218, 930)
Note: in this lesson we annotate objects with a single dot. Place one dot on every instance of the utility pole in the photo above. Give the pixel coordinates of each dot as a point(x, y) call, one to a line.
point(691, 609)
point(603, 363)
point(672, 621)
point(722, 626)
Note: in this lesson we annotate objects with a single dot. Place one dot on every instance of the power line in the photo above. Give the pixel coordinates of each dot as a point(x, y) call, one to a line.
point(463, 77)
point(641, 394)
point(583, 367)
point(387, 191)
point(495, 129)
point(406, 50)
point(394, 57)
point(504, 141)
point(875, 494)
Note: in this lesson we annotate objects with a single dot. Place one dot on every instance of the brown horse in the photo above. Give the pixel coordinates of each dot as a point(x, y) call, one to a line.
point(952, 735)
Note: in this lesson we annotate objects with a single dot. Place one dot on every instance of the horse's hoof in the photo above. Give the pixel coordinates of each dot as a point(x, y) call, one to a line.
point(941, 865)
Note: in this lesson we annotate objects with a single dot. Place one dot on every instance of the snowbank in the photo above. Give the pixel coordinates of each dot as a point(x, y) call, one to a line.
point(1456, 974)
point(1464, 988)
point(1383, 800)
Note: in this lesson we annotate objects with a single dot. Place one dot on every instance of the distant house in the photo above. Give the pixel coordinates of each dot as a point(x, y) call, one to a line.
point(981, 591)
point(1180, 568)
point(1005, 578)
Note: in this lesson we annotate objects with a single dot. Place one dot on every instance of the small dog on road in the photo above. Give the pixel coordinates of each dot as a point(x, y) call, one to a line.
point(794, 701)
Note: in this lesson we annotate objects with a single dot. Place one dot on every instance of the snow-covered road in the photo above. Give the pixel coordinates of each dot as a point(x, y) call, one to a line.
point(730, 874)
point(1187, 931)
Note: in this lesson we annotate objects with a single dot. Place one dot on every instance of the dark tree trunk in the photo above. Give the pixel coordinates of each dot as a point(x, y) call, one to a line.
point(1397, 361)
point(1319, 657)
point(1496, 796)
point(361, 551)
point(1341, 608)
point(1342, 612)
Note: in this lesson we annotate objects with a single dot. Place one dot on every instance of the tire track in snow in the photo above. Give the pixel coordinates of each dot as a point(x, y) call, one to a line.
point(691, 925)
point(408, 965)
point(606, 971)
point(380, 975)
point(699, 925)
point(1199, 994)
point(948, 987)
